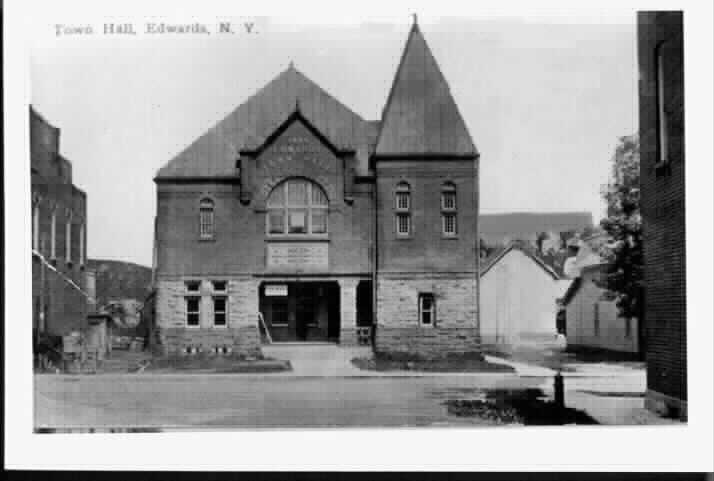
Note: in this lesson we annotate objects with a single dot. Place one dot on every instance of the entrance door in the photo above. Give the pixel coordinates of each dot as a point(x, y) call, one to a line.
point(305, 299)
point(301, 311)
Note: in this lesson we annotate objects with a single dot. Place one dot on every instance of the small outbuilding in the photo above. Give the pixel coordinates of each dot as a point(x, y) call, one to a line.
point(519, 294)
point(591, 315)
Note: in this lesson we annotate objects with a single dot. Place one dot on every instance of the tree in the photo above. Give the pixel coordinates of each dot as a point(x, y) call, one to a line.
point(623, 226)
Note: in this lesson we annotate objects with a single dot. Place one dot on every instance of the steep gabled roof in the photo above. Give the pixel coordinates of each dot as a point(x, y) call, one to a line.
point(420, 116)
point(214, 154)
point(494, 258)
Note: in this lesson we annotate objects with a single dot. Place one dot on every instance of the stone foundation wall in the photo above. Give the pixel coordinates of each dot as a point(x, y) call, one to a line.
point(397, 300)
point(399, 332)
point(242, 341)
point(426, 343)
point(241, 334)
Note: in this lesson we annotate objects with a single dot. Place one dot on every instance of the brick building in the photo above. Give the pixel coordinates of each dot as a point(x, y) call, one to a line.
point(59, 235)
point(327, 224)
point(661, 93)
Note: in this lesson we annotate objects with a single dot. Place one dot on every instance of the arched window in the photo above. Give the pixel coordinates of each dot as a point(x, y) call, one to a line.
point(297, 206)
point(448, 209)
point(402, 207)
point(68, 237)
point(206, 218)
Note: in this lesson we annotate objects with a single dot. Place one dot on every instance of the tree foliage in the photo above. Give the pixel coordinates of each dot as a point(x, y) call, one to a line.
point(623, 226)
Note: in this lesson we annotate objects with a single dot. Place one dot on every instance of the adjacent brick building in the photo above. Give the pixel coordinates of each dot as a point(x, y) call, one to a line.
point(327, 224)
point(59, 236)
point(661, 94)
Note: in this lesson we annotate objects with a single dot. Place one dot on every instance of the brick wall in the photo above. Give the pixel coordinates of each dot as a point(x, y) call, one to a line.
point(662, 194)
point(64, 307)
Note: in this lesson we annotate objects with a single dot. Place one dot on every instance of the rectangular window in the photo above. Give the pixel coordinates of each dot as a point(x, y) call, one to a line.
point(68, 241)
point(220, 311)
point(403, 224)
point(36, 227)
point(448, 201)
point(276, 221)
point(448, 224)
point(319, 221)
point(219, 286)
point(193, 286)
point(53, 236)
point(427, 309)
point(81, 244)
point(402, 200)
point(297, 193)
point(662, 120)
point(193, 311)
point(297, 223)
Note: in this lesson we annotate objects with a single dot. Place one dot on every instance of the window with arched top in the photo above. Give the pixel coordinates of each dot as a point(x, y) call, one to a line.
point(297, 206)
point(448, 209)
point(206, 218)
point(402, 207)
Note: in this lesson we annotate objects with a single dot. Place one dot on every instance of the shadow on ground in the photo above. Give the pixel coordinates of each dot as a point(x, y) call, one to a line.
point(525, 406)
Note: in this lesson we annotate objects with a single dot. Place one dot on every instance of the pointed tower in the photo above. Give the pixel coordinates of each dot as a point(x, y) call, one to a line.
point(426, 168)
point(420, 117)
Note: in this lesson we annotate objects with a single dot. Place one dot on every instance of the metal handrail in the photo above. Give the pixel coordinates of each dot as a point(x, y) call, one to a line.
point(267, 332)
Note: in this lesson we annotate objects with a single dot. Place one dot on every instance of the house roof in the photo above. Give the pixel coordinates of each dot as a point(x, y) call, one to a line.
point(521, 225)
point(494, 258)
point(214, 154)
point(420, 116)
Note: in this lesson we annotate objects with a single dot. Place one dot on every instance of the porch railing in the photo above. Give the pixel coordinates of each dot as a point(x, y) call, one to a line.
point(261, 322)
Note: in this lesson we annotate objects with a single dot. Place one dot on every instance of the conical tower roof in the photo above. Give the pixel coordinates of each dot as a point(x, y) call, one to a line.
point(421, 116)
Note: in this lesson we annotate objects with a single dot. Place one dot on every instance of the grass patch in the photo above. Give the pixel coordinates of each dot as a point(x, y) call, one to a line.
point(469, 363)
point(217, 365)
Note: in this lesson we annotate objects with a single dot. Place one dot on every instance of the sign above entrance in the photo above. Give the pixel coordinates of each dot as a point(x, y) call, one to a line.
point(276, 290)
point(298, 255)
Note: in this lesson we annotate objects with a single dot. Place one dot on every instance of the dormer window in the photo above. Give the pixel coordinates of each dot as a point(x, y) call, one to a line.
point(297, 206)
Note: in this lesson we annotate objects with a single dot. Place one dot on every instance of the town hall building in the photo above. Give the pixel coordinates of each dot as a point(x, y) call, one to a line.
point(295, 219)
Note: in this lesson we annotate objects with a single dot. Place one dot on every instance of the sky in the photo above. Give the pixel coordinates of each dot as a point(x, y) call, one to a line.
point(545, 100)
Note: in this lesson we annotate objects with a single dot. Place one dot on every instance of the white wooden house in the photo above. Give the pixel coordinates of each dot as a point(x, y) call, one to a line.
point(592, 319)
point(519, 294)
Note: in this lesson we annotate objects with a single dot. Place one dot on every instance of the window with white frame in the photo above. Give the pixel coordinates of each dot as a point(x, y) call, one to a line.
point(206, 218)
point(427, 309)
point(448, 209)
point(297, 206)
point(402, 207)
